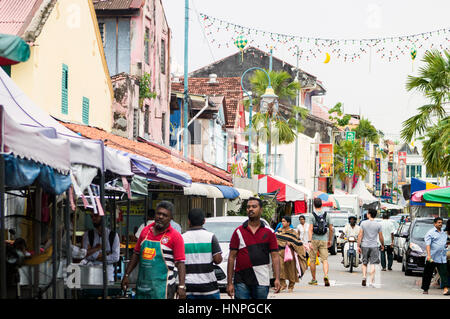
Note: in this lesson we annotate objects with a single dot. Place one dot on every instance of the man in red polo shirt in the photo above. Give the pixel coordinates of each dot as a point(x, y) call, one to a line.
point(251, 246)
point(159, 249)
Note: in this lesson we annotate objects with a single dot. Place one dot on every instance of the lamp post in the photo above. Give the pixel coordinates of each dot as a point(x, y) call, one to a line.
point(267, 99)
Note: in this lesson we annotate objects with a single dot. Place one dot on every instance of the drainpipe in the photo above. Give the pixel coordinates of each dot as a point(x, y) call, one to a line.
point(194, 118)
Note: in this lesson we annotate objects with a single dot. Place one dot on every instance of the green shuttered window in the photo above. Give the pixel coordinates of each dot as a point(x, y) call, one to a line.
point(85, 114)
point(64, 89)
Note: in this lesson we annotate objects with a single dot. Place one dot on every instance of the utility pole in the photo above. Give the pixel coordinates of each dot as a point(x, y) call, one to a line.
point(186, 95)
point(269, 140)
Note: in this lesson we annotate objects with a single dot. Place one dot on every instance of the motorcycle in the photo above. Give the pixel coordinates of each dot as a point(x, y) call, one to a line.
point(351, 256)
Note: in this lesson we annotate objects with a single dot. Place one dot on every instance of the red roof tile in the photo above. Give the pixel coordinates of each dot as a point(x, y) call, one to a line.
point(228, 87)
point(117, 4)
point(156, 153)
point(15, 14)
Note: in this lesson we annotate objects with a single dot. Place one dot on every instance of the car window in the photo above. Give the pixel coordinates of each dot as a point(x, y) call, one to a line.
point(420, 229)
point(222, 230)
point(339, 221)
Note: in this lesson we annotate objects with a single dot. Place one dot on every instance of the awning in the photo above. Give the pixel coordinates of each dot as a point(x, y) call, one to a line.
point(13, 49)
point(196, 189)
point(388, 206)
point(21, 172)
point(200, 189)
point(33, 144)
point(82, 150)
point(245, 193)
point(287, 190)
point(364, 195)
point(228, 192)
point(158, 172)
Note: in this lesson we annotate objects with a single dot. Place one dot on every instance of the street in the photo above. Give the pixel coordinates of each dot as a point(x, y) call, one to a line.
point(345, 285)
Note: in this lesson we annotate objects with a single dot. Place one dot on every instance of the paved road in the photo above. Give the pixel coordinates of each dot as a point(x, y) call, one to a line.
point(343, 285)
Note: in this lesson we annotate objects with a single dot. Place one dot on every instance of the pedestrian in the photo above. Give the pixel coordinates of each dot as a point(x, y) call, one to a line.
point(295, 267)
point(251, 246)
point(202, 249)
point(302, 230)
point(368, 245)
point(92, 245)
point(388, 229)
point(159, 249)
point(320, 237)
point(436, 242)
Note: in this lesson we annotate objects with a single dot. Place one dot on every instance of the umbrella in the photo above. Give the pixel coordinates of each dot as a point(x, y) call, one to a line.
point(418, 196)
point(441, 195)
point(13, 50)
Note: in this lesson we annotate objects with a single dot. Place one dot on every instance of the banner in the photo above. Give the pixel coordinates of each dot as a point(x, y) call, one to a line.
point(401, 168)
point(378, 176)
point(325, 160)
point(349, 161)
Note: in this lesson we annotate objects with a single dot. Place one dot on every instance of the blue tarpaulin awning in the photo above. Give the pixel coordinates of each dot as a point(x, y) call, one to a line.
point(228, 192)
point(22, 172)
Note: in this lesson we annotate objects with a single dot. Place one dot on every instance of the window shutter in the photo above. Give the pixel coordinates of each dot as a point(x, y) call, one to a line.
point(64, 89)
point(85, 113)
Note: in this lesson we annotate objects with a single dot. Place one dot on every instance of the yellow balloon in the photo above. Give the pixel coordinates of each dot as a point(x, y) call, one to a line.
point(327, 59)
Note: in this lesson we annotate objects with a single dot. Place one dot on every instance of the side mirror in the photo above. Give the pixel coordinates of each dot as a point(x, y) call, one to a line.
point(405, 236)
point(341, 231)
point(396, 235)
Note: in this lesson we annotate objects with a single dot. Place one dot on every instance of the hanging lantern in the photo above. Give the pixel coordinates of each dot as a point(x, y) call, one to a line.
point(413, 53)
point(241, 43)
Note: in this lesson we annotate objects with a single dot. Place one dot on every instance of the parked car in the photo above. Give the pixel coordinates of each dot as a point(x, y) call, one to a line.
point(415, 252)
point(400, 239)
point(333, 249)
point(223, 228)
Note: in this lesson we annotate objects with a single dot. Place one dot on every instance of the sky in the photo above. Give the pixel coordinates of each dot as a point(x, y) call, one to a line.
point(370, 86)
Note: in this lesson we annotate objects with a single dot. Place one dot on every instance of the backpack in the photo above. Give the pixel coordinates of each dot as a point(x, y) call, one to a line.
point(112, 236)
point(320, 226)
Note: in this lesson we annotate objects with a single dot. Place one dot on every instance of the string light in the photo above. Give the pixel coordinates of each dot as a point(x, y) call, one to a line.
point(386, 48)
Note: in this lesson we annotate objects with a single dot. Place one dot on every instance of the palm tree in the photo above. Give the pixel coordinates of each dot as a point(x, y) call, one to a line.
point(286, 123)
point(436, 149)
point(434, 82)
point(366, 132)
point(359, 153)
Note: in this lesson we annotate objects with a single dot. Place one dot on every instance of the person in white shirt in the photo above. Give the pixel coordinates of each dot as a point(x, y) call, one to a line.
point(351, 229)
point(302, 230)
point(388, 229)
point(112, 251)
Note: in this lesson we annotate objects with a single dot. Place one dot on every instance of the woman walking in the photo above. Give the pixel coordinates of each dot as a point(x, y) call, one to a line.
point(291, 268)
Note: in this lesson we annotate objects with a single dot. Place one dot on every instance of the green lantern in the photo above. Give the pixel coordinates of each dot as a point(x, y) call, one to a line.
point(413, 53)
point(241, 43)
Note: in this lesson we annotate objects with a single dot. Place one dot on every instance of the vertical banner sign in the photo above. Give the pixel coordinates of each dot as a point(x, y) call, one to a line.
point(349, 161)
point(325, 160)
point(377, 176)
point(401, 168)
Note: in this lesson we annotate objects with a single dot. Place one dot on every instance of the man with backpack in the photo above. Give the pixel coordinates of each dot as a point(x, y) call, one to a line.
point(93, 239)
point(320, 239)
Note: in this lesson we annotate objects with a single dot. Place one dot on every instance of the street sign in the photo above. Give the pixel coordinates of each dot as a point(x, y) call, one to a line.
point(349, 136)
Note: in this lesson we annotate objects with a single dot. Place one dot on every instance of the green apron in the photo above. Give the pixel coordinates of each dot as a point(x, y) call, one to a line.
point(153, 272)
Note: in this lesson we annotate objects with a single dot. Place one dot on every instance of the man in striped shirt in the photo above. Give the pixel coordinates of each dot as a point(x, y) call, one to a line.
point(202, 249)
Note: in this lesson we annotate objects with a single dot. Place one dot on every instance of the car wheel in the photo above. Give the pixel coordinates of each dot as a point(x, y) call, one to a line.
point(405, 267)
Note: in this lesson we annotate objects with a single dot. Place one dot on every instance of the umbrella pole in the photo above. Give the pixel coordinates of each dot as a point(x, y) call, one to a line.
point(102, 202)
point(2, 230)
point(54, 243)
point(67, 227)
point(127, 230)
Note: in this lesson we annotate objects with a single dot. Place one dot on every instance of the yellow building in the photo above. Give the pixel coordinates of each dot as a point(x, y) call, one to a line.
point(66, 74)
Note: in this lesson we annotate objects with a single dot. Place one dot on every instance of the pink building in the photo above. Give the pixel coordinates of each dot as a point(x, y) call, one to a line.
point(136, 41)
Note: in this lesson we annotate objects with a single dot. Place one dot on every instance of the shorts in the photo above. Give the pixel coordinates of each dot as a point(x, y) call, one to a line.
point(320, 246)
point(370, 255)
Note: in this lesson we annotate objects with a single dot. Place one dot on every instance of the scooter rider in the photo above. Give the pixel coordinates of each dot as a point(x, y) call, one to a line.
point(351, 229)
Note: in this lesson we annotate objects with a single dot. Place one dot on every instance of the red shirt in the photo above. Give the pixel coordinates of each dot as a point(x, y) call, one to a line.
point(253, 257)
point(172, 242)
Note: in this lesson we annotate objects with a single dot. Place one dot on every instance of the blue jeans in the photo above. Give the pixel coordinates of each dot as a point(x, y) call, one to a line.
point(211, 296)
point(242, 291)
